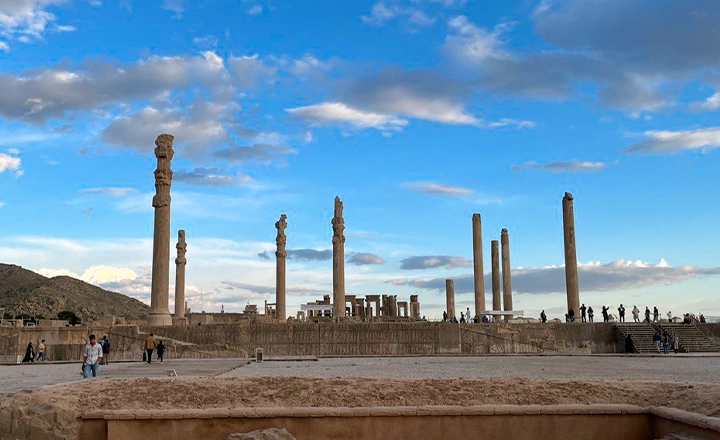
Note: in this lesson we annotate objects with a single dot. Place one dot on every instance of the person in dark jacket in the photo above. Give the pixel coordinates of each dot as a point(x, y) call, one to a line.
point(105, 350)
point(160, 351)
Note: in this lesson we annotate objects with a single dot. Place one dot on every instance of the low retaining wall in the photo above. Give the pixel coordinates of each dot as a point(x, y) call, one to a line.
point(500, 422)
point(323, 339)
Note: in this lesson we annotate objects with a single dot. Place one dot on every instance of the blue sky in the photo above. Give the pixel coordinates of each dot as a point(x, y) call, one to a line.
point(417, 113)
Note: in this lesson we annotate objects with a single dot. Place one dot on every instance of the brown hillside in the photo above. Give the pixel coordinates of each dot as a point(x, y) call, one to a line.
point(26, 292)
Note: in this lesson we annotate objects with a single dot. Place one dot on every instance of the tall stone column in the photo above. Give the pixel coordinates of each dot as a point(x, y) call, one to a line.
point(450, 298)
point(571, 272)
point(338, 240)
point(180, 262)
point(281, 256)
point(506, 281)
point(495, 255)
point(159, 312)
point(479, 276)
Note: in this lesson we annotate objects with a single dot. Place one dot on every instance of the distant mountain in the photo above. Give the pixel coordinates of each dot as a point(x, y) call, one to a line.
point(23, 291)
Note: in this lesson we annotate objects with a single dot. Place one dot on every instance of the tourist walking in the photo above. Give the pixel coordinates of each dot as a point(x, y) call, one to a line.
point(657, 340)
point(591, 314)
point(462, 317)
point(636, 314)
point(606, 318)
point(582, 312)
point(647, 314)
point(161, 351)
point(41, 351)
point(621, 312)
point(105, 350)
point(150, 346)
point(543, 317)
point(444, 316)
point(702, 319)
point(656, 314)
point(91, 358)
point(29, 353)
point(665, 343)
point(669, 315)
point(676, 344)
point(467, 316)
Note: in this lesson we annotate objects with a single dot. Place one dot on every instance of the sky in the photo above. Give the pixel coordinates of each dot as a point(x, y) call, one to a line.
point(417, 113)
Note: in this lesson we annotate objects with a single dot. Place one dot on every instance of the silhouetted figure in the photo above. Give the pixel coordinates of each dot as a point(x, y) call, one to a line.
point(621, 313)
point(629, 346)
point(543, 316)
point(29, 353)
point(591, 314)
point(582, 313)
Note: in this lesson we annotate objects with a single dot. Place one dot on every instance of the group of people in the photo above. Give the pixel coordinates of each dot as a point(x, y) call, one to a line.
point(31, 355)
point(150, 346)
point(587, 314)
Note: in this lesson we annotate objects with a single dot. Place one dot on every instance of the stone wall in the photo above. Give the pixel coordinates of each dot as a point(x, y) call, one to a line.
point(539, 338)
point(324, 339)
point(495, 422)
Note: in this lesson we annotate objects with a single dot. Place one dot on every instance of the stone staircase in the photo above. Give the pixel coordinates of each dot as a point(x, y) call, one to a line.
point(692, 339)
point(641, 334)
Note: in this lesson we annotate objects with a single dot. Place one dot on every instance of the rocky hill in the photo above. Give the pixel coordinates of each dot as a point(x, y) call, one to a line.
point(25, 292)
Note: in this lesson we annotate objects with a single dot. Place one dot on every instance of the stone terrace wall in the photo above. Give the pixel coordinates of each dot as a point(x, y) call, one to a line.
point(539, 338)
point(324, 339)
point(280, 339)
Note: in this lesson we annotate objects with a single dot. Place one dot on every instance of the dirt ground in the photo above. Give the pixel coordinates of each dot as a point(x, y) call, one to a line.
point(53, 410)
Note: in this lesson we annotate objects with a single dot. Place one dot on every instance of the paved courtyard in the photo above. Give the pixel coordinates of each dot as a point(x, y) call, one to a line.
point(670, 368)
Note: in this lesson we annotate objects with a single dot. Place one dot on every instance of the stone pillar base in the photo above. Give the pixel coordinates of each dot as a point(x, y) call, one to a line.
point(160, 319)
point(181, 321)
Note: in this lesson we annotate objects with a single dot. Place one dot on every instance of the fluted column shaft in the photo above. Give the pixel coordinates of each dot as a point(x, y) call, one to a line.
point(571, 271)
point(478, 275)
point(338, 240)
point(159, 311)
point(506, 278)
point(450, 298)
point(495, 255)
point(180, 263)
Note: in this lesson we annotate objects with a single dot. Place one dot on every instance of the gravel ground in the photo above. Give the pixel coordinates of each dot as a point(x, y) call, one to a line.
point(670, 368)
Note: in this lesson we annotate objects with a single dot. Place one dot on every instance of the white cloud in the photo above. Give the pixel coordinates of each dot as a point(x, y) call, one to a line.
point(250, 71)
point(255, 10)
point(176, 6)
point(339, 113)
point(438, 188)
point(712, 102)
point(26, 20)
point(665, 141)
point(41, 94)
point(10, 162)
point(570, 166)
point(2, 204)
point(199, 125)
point(471, 44)
point(4, 47)
point(111, 191)
point(433, 261)
point(365, 258)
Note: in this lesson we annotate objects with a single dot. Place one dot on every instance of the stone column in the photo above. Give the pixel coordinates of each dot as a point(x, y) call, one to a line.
point(506, 281)
point(450, 298)
point(495, 255)
point(180, 262)
point(479, 276)
point(159, 311)
point(338, 240)
point(571, 272)
point(281, 256)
